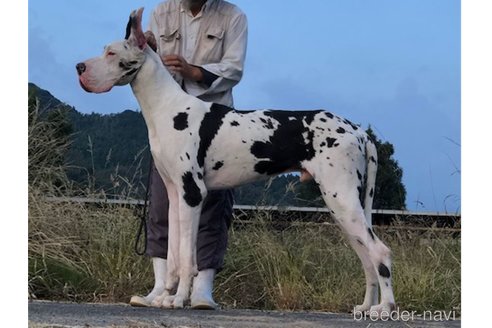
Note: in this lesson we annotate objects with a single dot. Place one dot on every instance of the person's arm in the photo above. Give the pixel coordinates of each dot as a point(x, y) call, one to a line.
point(178, 64)
point(228, 72)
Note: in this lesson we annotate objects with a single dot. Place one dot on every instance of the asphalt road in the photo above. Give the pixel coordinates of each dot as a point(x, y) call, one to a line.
point(53, 314)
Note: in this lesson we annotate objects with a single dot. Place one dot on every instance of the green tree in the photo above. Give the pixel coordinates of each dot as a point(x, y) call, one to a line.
point(390, 192)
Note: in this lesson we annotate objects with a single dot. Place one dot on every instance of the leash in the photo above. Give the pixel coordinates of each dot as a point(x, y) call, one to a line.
point(143, 216)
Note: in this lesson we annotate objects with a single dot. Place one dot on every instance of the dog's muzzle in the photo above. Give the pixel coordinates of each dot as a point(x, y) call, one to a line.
point(80, 68)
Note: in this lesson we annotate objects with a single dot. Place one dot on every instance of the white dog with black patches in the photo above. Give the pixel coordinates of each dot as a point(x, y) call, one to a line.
point(199, 146)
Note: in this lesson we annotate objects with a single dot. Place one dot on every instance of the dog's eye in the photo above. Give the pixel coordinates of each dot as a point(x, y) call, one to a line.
point(110, 53)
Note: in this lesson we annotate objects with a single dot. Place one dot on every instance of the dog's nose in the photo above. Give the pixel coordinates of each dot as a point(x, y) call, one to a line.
point(80, 68)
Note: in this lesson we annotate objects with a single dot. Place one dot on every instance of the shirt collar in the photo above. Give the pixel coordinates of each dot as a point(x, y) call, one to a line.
point(205, 7)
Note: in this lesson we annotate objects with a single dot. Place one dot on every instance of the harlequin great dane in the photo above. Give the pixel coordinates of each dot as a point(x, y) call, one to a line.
point(199, 146)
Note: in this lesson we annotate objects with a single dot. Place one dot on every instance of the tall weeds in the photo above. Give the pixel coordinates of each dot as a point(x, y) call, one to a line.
point(312, 267)
point(75, 252)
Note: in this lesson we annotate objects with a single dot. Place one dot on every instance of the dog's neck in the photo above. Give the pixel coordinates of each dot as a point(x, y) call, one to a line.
point(155, 89)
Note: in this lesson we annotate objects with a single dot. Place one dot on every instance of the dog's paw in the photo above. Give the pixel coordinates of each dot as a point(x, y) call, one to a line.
point(168, 301)
point(173, 302)
point(363, 308)
point(178, 302)
point(382, 311)
point(158, 300)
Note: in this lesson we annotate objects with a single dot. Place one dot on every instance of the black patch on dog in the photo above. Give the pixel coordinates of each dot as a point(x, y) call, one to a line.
point(211, 123)
point(268, 123)
point(218, 165)
point(372, 159)
point(383, 271)
point(331, 142)
point(329, 115)
point(322, 119)
point(371, 233)
point(309, 118)
point(181, 121)
point(355, 127)
point(360, 189)
point(188, 155)
point(322, 144)
point(286, 148)
point(335, 195)
point(360, 242)
point(131, 72)
point(244, 141)
point(245, 111)
point(128, 30)
point(340, 130)
point(199, 175)
point(371, 193)
point(192, 196)
point(234, 123)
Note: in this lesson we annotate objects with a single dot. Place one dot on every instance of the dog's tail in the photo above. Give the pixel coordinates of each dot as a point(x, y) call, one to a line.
point(372, 168)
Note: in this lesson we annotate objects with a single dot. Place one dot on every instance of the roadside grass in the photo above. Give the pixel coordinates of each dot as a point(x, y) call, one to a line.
point(83, 252)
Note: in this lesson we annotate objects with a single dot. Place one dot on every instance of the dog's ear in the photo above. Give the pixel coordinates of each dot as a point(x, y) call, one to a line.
point(134, 32)
point(128, 28)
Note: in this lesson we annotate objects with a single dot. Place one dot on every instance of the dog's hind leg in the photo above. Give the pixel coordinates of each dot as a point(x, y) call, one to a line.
point(381, 258)
point(372, 291)
point(347, 210)
point(352, 220)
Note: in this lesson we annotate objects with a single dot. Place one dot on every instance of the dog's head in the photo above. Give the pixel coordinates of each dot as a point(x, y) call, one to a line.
point(120, 61)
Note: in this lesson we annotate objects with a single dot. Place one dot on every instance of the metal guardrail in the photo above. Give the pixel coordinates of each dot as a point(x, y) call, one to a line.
point(290, 214)
point(252, 207)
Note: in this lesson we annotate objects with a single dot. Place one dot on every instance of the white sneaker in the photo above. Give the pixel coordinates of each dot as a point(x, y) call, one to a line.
point(160, 270)
point(201, 296)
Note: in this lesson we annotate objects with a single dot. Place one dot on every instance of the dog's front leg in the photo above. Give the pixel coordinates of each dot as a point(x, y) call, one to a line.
point(189, 218)
point(190, 206)
point(172, 276)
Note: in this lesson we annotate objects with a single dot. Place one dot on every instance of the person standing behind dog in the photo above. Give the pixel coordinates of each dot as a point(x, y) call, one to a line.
point(203, 44)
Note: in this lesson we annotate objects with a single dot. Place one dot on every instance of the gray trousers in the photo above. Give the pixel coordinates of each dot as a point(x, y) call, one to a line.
point(212, 232)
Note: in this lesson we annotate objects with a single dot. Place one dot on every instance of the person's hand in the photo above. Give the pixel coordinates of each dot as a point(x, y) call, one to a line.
point(149, 36)
point(178, 64)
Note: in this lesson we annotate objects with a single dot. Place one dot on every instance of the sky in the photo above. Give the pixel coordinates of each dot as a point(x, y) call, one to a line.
point(393, 65)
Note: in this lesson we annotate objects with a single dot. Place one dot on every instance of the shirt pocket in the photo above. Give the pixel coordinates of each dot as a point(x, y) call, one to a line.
point(215, 33)
point(170, 34)
point(212, 45)
point(169, 40)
